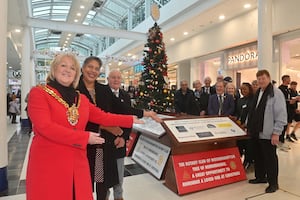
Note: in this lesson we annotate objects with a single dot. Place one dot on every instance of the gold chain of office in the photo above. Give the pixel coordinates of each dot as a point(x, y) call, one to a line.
point(72, 111)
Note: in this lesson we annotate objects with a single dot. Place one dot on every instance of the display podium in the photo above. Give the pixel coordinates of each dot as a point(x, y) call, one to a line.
point(203, 153)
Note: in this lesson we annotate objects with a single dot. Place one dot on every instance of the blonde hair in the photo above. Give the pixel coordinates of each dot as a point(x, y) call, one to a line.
point(57, 60)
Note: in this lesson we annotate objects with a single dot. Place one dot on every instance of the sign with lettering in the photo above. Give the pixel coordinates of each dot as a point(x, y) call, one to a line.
point(243, 57)
point(151, 155)
point(203, 170)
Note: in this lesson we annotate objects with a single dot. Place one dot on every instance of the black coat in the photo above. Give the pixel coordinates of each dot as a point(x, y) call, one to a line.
point(186, 103)
point(119, 105)
point(109, 160)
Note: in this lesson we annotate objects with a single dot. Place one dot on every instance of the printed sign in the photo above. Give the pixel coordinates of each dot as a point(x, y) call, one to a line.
point(199, 171)
point(151, 155)
point(188, 130)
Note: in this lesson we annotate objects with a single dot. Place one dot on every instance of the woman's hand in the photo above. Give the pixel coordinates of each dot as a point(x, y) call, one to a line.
point(153, 115)
point(137, 121)
point(119, 142)
point(95, 138)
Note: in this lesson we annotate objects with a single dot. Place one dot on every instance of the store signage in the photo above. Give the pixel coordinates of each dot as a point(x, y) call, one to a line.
point(203, 170)
point(151, 155)
point(242, 57)
point(138, 68)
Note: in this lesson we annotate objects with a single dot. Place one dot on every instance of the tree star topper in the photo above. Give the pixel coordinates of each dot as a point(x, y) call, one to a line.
point(155, 14)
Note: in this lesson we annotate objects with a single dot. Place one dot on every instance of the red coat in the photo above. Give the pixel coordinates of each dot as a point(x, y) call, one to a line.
point(57, 159)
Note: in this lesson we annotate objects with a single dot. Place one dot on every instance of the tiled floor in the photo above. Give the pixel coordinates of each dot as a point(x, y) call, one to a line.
point(140, 185)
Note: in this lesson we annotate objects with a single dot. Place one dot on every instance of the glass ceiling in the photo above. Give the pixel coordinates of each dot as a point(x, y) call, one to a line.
point(103, 13)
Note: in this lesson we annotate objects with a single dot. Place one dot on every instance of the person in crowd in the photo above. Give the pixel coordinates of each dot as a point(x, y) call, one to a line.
point(220, 78)
point(8, 99)
point(57, 165)
point(254, 85)
point(14, 109)
point(241, 113)
point(207, 88)
point(231, 89)
point(185, 100)
point(289, 107)
point(266, 120)
point(102, 159)
point(220, 103)
point(28, 118)
point(117, 100)
point(293, 112)
point(227, 79)
point(201, 97)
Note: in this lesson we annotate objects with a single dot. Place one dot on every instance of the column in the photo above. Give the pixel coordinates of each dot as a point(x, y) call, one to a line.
point(129, 21)
point(3, 91)
point(26, 69)
point(265, 37)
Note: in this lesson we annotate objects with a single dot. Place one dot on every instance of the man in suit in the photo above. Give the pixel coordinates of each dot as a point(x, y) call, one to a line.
point(116, 100)
point(207, 88)
point(220, 103)
point(201, 97)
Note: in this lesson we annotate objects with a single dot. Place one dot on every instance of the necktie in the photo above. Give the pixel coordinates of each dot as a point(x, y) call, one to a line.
point(206, 90)
point(116, 93)
point(220, 104)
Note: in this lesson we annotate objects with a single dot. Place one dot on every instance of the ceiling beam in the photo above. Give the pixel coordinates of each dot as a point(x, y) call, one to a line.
point(79, 28)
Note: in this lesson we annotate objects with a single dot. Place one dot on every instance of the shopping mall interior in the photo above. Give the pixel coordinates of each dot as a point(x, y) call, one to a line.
point(202, 38)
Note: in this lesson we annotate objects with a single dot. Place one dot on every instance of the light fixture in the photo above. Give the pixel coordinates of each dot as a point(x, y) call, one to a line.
point(17, 30)
point(69, 34)
point(66, 42)
point(10, 67)
point(67, 38)
point(185, 33)
point(82, 7)
point(75, 20)
point(129, 54)
point(221, 17)
point(78, 14)
point(247, 5)
point(120, 63)
point(172, 39)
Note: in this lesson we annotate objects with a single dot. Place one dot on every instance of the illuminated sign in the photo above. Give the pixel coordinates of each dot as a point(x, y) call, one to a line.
point(242, 57)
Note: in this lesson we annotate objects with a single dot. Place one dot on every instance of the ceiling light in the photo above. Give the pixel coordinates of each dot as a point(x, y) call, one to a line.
point(133, 57)
point(221, 17)
point(17, 30)
point(248, 5)
point(129, 54)
point(10, 67)
point(82, 6)
point(185, 33)
point(109, 64)
point(66, 42)
point(75, 20)
point(120, 63)
point(68, 38)
point(172, 39)
point(78, 14)
point(69, 34)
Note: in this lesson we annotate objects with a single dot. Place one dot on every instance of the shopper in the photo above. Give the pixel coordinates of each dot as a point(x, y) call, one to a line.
point(266, 121)
point(58, 166)
point(14, 109)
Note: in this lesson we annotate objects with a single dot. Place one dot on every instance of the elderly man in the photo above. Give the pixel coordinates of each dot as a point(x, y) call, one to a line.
point(266, 121)
point(185, 103)
point(207, 88)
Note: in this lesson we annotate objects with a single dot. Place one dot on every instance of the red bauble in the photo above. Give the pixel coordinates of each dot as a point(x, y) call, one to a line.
point(157, 41)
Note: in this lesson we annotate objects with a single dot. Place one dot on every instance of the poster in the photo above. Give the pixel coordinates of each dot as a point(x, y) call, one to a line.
point(197, 129)
point(202, 170)
point(151, 155)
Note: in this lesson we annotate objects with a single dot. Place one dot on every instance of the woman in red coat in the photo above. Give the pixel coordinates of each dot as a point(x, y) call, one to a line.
point(58, 167)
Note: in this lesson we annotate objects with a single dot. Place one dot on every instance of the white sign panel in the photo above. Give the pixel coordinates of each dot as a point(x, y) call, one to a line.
point(187, 130)
point(151, 127)
point(151, 155)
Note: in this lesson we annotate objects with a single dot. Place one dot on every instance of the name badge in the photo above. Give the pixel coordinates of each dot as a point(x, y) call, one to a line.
point(244, 106)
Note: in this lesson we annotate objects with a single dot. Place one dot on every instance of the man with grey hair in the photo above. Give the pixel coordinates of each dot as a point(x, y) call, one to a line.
point(207, 88)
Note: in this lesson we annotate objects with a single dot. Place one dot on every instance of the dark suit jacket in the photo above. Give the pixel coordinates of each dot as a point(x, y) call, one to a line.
point(212, 90)
point(228, 105)
point(186, 103)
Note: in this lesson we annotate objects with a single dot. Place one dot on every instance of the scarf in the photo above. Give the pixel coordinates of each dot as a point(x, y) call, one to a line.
point(67, 93)
point(257, 113)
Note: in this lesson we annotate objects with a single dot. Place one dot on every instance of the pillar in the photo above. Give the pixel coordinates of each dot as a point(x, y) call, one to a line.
point(26, 69)
point(265, 37)
point(3, 91)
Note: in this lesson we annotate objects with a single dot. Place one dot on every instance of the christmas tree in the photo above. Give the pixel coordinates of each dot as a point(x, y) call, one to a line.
point(154, 93)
